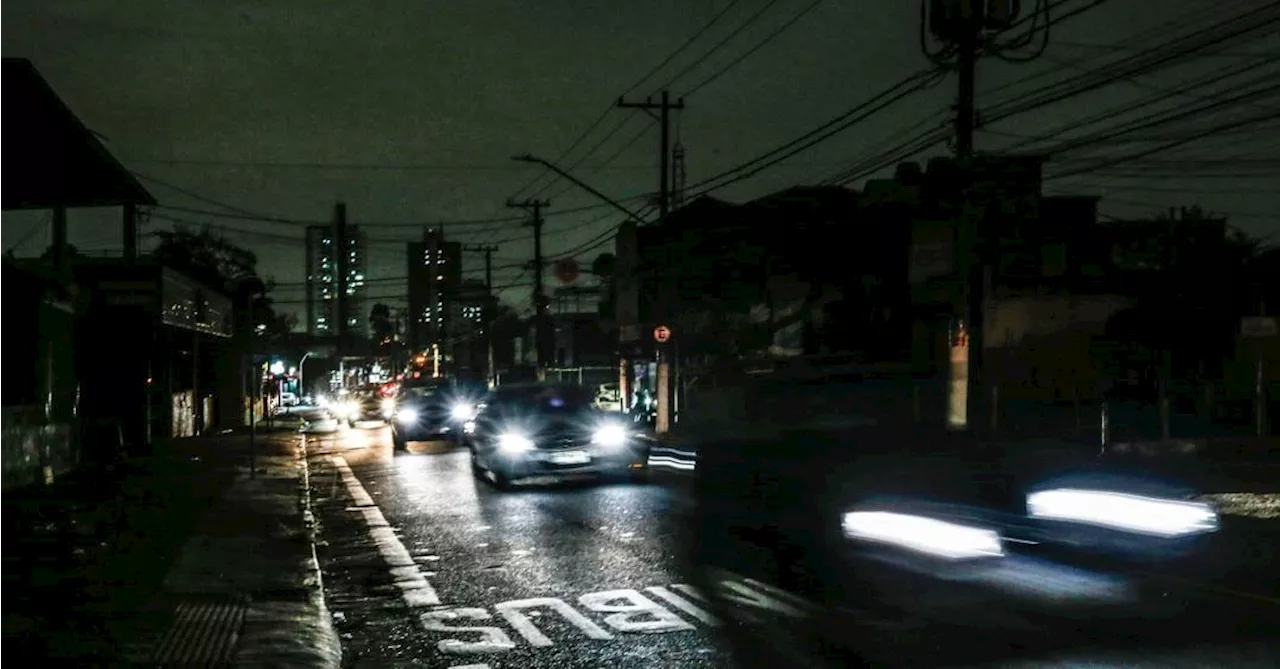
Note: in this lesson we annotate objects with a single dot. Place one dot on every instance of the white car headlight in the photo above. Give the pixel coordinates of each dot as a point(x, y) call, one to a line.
point(610, 435)
point(388, 404)
point(512, 442)
point(348, 410)
point(922, 534)
point(406, 415)
point(1133, 513)
point(463, 411)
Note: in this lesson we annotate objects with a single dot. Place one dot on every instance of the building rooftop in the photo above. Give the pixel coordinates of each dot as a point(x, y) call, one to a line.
point(53, 159)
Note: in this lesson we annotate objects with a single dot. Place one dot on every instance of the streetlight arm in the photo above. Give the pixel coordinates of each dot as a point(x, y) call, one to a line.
point(528, 158)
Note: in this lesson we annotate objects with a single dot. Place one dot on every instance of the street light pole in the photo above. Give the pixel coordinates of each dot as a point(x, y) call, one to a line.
point(302, 386)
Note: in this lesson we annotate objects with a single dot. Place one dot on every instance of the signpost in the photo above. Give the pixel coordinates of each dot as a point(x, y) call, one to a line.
point(662, 334)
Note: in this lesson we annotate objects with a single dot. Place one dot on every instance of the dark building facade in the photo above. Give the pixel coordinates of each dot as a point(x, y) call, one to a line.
point(435, 273)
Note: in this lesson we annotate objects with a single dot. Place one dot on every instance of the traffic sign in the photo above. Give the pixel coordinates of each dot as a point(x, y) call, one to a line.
point(661, 334)
point(567, 270)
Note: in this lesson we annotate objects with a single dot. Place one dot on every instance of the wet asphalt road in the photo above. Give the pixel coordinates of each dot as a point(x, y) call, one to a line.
point(426, 566)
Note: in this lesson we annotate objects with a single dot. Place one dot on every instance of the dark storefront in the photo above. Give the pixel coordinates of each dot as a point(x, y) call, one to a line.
point(152, 349)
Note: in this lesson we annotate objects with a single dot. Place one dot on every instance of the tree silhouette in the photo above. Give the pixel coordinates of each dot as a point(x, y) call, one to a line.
point(381, 324)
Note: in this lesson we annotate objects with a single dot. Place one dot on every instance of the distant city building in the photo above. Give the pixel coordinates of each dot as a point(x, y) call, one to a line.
point(435, 272)
point(470, 308)
point(322, 281)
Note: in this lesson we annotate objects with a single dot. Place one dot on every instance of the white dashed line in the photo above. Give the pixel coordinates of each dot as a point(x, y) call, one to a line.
point(414, 587)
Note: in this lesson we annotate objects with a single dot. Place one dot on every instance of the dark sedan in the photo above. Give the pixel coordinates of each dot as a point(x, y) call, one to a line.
point(542, 430)
point(829, 510)
point(429, 409)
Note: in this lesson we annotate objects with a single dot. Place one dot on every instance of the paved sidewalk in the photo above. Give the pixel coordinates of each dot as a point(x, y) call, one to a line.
point(170, 558)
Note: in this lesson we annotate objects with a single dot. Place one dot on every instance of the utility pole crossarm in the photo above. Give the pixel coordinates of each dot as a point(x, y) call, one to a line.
point(527, 158)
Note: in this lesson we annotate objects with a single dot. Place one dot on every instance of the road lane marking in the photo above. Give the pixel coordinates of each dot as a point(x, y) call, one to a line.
point(636, 613)
point(683, 605)
point(492, 639)
point(415, 589)
point(625, 610)
point(513, 611)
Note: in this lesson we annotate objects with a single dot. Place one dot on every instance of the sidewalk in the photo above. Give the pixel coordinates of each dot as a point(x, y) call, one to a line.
point(169, 559)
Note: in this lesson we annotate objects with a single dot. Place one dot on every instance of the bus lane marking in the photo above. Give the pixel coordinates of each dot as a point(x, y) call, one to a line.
point(626, 611)
point(415, 589)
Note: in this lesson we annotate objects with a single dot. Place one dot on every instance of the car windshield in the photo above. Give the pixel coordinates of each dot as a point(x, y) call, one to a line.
point(423, 390)
point(545, 398)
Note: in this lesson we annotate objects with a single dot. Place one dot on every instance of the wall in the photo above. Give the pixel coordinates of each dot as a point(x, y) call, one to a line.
point(38, 442)
point(1040, 345)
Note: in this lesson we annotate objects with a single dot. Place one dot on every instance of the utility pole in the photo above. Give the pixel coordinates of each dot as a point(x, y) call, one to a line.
point(972, 234)
point(969, 28)
point(488, 307)
point(541, 329)
point(664, 107)
point(666, 384)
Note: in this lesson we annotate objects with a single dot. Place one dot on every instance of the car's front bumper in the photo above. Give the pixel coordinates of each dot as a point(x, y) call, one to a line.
point(536, 463)
point(422, 431)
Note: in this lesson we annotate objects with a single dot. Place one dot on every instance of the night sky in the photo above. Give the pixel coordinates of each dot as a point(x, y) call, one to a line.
point(409, 111)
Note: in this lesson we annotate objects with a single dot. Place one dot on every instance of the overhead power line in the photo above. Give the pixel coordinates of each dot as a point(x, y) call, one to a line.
point(758, 46)
point(609, 109)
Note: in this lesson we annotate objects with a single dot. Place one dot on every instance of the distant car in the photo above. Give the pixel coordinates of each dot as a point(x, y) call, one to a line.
point(428, 409)
point(363, 405)
point(540, 430)
point(289, 399)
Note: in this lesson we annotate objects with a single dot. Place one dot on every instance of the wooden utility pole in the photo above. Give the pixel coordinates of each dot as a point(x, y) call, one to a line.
point(541, 324)
point(489, 307)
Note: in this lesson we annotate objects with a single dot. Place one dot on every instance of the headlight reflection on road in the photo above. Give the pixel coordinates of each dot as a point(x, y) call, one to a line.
point(1133, 513)
point(921, 534)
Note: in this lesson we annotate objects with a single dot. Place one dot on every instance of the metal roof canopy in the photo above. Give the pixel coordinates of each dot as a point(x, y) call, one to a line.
point(54, 160)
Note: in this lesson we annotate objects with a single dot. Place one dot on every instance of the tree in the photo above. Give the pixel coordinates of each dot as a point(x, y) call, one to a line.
point(381, 324)
point(210, 259)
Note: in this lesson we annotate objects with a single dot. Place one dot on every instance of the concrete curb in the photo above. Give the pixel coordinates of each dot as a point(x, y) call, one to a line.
point(294, 633)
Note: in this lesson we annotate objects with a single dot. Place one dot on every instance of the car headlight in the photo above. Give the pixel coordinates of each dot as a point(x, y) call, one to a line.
point(407, 415)
point(609, 435)
point(469, 427)
point(922, 534)
point(512, 442)
point(388, 404)
point(463, 411)
point(1132, 513)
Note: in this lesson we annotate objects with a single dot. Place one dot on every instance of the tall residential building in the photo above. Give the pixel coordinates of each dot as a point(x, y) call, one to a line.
point(435, 272)
point(470, 308)
point(322, 281)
